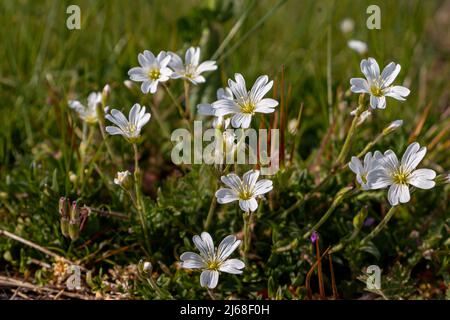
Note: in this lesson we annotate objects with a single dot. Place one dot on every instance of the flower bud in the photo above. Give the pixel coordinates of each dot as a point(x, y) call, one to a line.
point(442, 179)
point(314, 236)
point(394, 125)
point(106, 93)
point(74, 222)
point(360, 218)
point(64, 209)
point(129, 84)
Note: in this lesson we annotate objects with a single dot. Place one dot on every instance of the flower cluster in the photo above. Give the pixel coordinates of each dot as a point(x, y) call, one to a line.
point(167, 65)
point(385, 170)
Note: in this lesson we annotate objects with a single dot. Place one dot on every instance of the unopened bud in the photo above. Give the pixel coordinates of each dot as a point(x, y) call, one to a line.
point(147, 266)
point(314, 236)
point(64, 209)
point(360, 218)
point(106, 93)
point(129, 84)
point(74, 222)
point(74, 229)
point(394, 125)
point(442, 179)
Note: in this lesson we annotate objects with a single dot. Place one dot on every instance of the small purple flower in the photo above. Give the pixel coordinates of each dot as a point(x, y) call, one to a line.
point(369, 221)
point(314, 236)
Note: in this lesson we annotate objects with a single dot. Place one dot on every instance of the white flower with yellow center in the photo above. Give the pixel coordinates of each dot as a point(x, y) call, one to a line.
point(399, 175)
point(362, 169)
point(245, 103)
point(377, 85)
point(89, 113)
point(212, 261)
point(152, 71)
point(129, 128)
point(245, 191)
point(192, 68)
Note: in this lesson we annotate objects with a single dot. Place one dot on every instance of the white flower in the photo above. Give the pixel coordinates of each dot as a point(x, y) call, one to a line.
point(192, 68)
point(130, 129)
point(379, 85)
point(246, 103)
point(245, 190)
point(347, 25)
point(122, 178)
point(358, 46)
point(206, 109)
point(212, 261)
point(397, 176)
point(89, 113)
point(362, 170)
point(152, 70)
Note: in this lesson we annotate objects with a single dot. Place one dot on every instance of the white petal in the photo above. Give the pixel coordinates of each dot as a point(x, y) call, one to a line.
point(205, 109)
point(248, 205)
point(192, 260)
point(355, 165)
point(227, 246)
point(266, 105)
point(145, 86)
point(208, 65)
point(398, 193)
point(359, 85)
point(378, 102)
point(232, 266)
point(113, 130)
point(378, 179)
point(204, 244)
point(397, 92)
point(412, 156)
point(209, 278)
point(224, 93)
point(233, 181)
point(119, 118)
point(422, 178)
point(138, 74)
point(224, 107)
point(262, 186)
point(390, 72)
point(225, 195)
point(389, 161)
point(238, 88)
point(250, 177)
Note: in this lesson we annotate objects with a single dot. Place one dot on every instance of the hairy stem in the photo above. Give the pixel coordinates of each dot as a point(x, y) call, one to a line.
point(351, 132)
point(380, 226)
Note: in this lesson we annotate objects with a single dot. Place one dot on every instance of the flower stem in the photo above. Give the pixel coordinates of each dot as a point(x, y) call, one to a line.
point(380, 226)
point(212, 208)
point(186, 100)
point(319, 271)
point(247, 232)
point(336, 201)
point(174, 100)
point(351, 132)
point(140, 207)
point(211, 294)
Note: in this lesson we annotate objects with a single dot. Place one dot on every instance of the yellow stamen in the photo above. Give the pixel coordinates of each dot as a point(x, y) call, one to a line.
point(154, 74)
